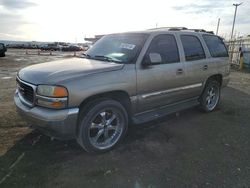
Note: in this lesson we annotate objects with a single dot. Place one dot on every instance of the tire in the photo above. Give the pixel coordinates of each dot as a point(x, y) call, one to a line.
point(210, 97)
point(2, 55)
point(101, 125)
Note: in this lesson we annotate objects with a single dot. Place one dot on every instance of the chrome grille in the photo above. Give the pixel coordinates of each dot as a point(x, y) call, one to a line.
point(26, 91)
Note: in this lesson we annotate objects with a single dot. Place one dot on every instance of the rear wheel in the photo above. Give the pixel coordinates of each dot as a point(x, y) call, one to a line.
point(210, 96)
point(102, 125)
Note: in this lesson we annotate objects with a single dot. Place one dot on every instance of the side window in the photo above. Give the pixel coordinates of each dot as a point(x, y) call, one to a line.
point(192, 48)
point(163, 49)
point(216, 46)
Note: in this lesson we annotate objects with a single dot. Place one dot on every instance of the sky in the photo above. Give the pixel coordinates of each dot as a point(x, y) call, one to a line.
point(71, 21)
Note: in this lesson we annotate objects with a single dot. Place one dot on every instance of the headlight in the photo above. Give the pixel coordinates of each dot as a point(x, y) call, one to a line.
point(52, 96)
point(52, 91)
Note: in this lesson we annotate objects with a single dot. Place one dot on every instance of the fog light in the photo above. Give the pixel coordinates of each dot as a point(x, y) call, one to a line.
point(52, 102)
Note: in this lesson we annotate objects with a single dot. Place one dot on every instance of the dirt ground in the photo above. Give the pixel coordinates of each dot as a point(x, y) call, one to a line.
point(190, 149)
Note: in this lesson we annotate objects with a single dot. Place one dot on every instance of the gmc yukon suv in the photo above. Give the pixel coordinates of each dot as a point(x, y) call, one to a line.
point(127, 77)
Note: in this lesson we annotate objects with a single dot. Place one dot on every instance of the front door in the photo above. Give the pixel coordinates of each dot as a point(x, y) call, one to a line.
point(161, 76)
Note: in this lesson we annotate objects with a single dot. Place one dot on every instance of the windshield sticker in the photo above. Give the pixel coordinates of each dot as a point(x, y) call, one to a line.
point(127, 46)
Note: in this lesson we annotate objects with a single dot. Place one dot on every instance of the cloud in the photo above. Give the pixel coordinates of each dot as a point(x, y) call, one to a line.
point(8, 18)
point(200, 7)
point(242, 14)
point(35, 20)
point(242, 17)
point(11, 25)
point(213, 9)
point(16, 4)
point(12, 18)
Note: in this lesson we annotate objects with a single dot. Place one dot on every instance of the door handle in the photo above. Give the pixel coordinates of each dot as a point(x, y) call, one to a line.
point(179, 71)
point(205, 67)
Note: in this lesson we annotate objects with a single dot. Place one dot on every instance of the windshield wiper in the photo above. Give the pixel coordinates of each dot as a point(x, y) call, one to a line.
point(106, 58)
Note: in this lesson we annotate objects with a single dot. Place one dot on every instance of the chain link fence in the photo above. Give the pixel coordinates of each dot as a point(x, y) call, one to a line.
point(239, 50)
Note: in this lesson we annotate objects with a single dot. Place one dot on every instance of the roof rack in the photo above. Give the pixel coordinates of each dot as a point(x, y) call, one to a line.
point(181, 29)
point(201, 30)
point(169, 28)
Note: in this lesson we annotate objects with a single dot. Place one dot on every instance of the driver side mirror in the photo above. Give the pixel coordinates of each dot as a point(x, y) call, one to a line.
point(152, 59)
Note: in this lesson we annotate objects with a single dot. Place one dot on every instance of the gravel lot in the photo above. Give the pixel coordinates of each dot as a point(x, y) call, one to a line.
point(188, 149)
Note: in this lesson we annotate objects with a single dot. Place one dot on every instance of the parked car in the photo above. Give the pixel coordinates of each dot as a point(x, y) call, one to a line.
point(72, 48)
point(124, 78)
point(50, 47)
point(3, 49)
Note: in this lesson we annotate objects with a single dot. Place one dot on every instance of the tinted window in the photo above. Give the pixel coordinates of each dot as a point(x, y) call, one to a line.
point(192, 48)
point(123, 48)
point(166, 47)
point(216, 46)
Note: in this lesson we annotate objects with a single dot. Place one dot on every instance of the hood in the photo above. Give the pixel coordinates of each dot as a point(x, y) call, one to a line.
point(56, 72)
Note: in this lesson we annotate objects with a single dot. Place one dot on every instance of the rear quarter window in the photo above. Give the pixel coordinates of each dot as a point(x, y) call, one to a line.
point(216, 46)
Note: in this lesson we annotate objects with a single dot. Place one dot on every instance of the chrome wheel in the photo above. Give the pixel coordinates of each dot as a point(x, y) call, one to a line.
point(210, 96)
point(106, 128)
point(101, 126)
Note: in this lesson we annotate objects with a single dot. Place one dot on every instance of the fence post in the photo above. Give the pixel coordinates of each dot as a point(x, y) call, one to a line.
point(241, 61)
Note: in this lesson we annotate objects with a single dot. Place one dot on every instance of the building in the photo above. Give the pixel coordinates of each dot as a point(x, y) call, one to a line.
point(94, 39)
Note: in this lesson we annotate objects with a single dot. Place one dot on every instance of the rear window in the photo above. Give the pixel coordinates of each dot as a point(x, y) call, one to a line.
point(192, 48)
point(216, 46)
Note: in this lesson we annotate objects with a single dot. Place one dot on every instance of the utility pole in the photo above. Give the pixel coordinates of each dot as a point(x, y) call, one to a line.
point(218, 25)
point(236, 6)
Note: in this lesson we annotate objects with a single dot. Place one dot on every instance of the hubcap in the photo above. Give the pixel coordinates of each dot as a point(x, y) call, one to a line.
point(105, 129)
point(212, 97)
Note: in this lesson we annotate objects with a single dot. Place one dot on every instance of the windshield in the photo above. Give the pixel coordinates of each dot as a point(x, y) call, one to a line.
point(121, 48)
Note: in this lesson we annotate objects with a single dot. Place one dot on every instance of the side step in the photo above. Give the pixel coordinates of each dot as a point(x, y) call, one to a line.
point(163, 111)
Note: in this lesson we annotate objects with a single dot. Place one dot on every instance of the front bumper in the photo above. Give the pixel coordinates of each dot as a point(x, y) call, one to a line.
point(60, 124)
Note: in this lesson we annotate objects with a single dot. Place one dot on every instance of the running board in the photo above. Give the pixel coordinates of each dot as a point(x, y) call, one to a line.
point(163, 111)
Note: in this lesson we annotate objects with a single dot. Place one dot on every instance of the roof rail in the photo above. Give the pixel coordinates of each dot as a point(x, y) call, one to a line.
point(201, 30)
point(169, 28)
point(211, 32)
point(181, 29)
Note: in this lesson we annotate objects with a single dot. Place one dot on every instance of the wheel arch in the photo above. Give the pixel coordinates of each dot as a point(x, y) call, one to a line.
point(216, 77)
point(117, 95)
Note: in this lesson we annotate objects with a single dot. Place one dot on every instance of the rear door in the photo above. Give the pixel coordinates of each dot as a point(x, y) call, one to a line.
point(196, 64)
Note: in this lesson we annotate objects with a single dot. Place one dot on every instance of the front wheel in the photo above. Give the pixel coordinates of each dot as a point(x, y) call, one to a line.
point(102, 125)
point(210, 96)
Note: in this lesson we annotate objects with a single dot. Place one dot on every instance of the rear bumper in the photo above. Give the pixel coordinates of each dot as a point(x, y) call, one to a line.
point(225, 81)
point(60, 124)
